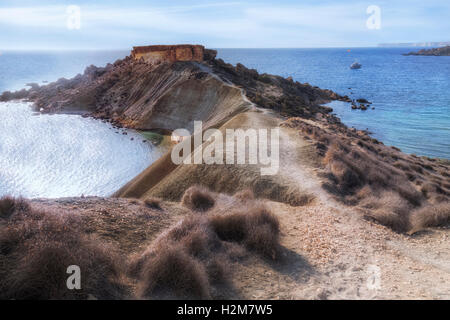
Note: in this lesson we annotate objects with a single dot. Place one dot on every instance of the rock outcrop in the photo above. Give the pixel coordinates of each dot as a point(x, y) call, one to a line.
point(329, 178)
point(146, 94)
point(444, 51)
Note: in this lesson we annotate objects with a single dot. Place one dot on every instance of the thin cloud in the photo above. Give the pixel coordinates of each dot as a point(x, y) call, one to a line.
point(54, 16)
point(221, 24)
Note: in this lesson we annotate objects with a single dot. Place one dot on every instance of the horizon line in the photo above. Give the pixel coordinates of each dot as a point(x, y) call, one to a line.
point(218, 48)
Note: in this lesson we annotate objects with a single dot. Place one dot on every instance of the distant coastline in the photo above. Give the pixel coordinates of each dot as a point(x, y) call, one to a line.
point(445, 51)
point(415, 44)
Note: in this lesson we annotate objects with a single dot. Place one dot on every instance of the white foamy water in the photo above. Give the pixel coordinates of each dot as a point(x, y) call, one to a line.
point(53, 156)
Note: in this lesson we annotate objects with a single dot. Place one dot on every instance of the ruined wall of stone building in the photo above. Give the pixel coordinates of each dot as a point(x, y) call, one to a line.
point(158, 54)
point(189, 54)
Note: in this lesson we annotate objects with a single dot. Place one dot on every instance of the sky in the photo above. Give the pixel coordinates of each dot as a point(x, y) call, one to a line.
point(107, 24)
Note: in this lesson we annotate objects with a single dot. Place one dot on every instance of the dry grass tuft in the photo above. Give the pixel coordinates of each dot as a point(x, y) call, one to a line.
point(430, 216)
point(263, 232)
point(361, 178)
point(387, 183)
point(10, 205)
point(255, 227)
point(198, 198)
point(198, 262)
point(192, 258)
point(171, 273)
point(393, 218)
point(153, 203)
point(38, 246)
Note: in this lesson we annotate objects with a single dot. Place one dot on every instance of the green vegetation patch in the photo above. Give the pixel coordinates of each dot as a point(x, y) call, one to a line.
point(153, 137)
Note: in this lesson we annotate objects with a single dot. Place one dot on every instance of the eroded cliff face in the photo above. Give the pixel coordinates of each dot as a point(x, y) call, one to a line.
point(169, 95)
point(333, 174)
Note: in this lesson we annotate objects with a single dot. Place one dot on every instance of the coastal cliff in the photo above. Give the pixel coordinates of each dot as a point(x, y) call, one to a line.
point(144, 95)
point(167, 95)
point(444, 51)
point(340, 202)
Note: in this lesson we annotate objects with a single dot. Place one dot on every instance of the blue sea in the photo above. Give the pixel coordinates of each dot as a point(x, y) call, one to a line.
point(52, 156)
point(410, 94)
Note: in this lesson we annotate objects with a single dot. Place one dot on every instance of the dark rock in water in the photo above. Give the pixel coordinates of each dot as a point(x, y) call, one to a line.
point(362, 100)
point(346, 99)
point(363, 107)
point(354, 107)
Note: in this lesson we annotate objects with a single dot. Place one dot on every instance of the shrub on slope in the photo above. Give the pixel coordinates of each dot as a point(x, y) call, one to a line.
point(191, 260)
point(391, 187)
point(37, 247)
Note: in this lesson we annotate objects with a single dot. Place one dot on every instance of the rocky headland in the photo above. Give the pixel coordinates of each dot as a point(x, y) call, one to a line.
point(341, 205)
point(444, 51)
point(169, 91)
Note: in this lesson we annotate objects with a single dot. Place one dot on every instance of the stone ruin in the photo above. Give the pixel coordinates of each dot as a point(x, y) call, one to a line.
point(172, 53)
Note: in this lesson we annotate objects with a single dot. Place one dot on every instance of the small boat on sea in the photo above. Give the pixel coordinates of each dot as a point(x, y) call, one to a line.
point(356, 65)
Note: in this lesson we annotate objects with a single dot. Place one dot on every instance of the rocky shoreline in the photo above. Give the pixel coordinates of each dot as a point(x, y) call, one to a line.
point(340, 203)
point(119, 92)
point(444, 51)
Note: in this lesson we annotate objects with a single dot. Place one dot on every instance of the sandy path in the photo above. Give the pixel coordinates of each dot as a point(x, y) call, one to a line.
point(329, 250)
point(332, 252)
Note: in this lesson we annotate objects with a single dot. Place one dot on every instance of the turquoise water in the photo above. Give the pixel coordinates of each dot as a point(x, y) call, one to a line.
point(411, 94)
point(54, 156)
